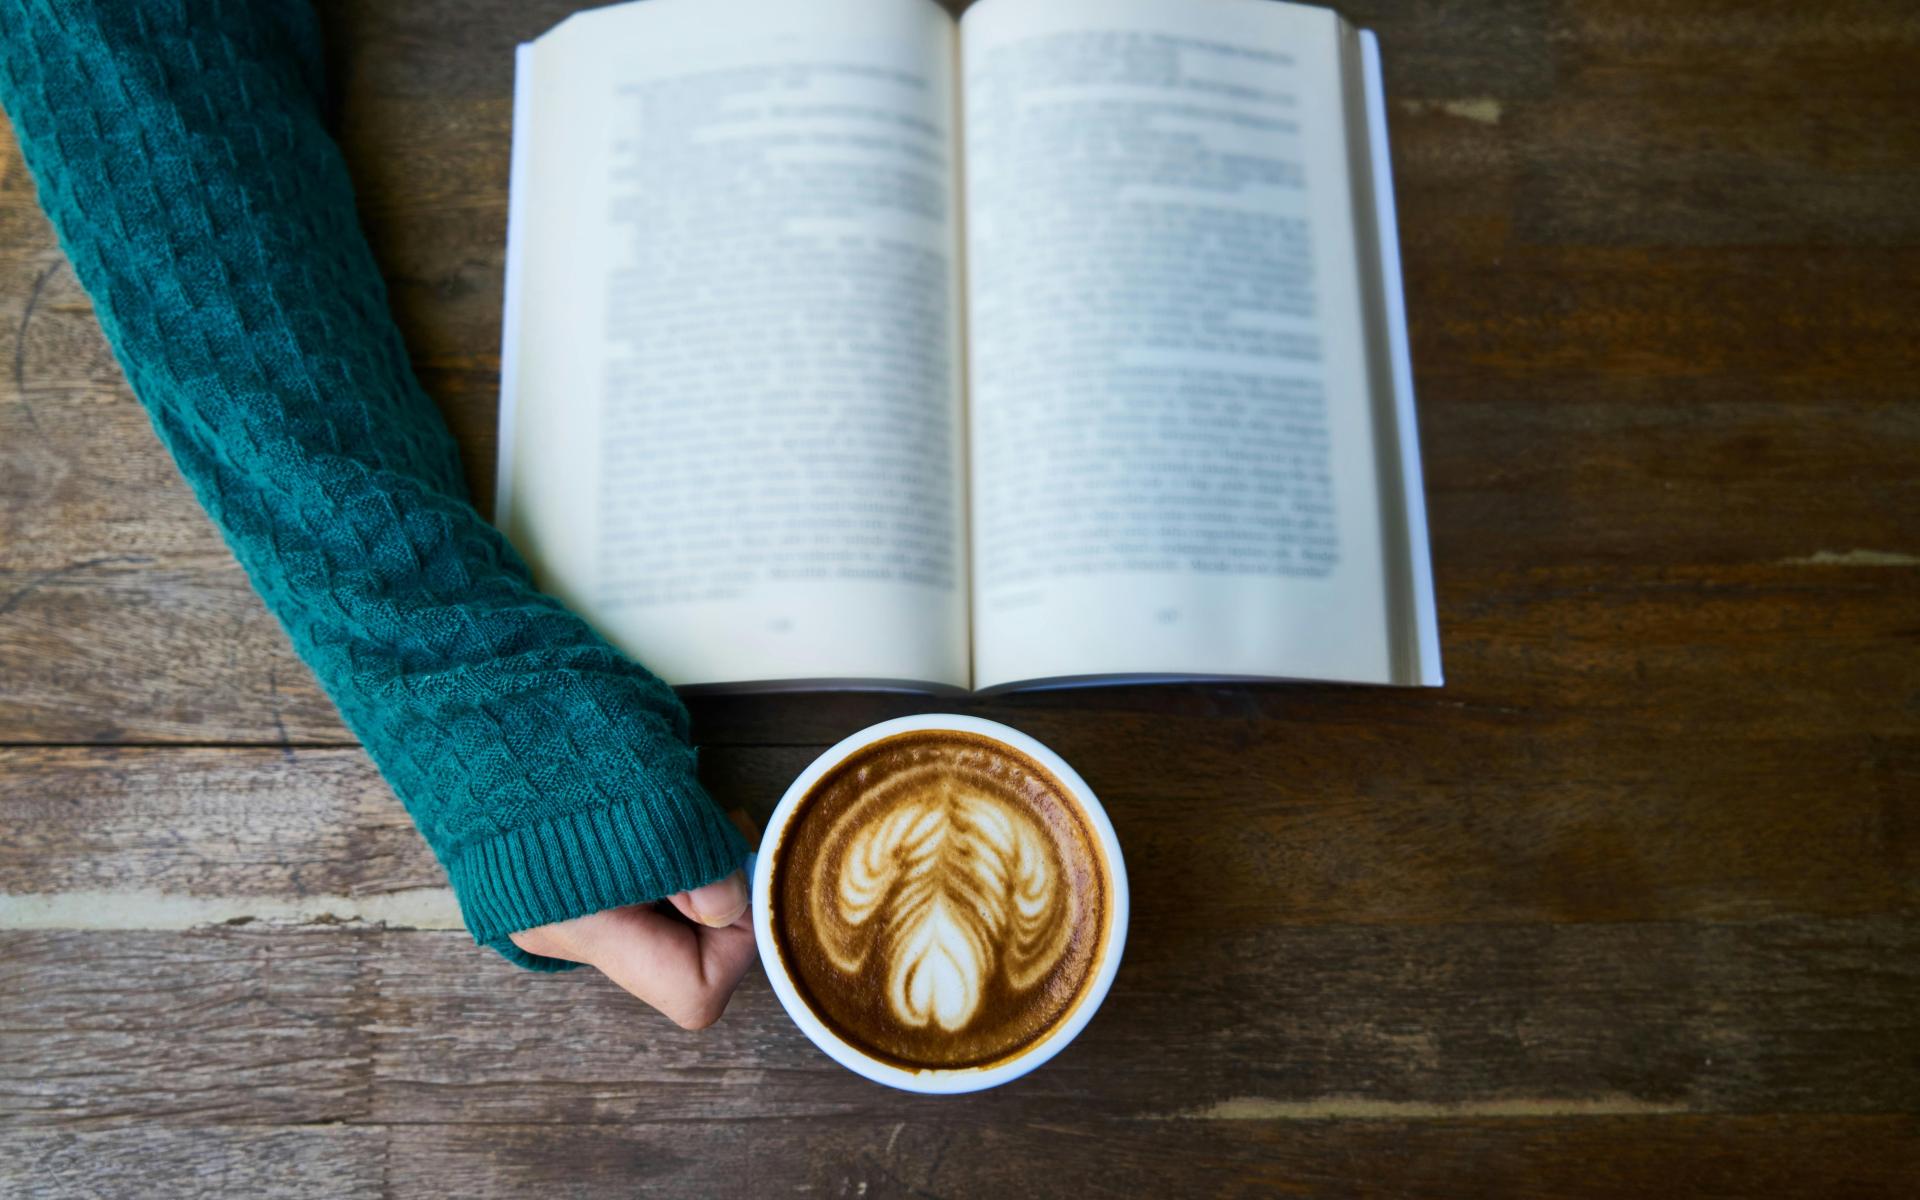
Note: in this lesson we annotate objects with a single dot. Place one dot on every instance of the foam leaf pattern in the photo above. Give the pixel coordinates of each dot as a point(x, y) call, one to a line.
point(951, 886)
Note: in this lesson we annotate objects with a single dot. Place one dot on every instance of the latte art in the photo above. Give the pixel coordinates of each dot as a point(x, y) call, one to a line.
point(949, 886)
point(939, 900)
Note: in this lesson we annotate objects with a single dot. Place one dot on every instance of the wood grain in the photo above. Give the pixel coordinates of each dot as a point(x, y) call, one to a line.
point(877, 1158)
point(270, 1027)
point(204, 823)
point(217, 1027)
point(1630, 908)
point(331, 1161)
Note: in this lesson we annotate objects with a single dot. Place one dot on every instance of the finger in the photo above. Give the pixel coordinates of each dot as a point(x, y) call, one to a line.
point(717, 904)
point(728, 954)
point(687, 972)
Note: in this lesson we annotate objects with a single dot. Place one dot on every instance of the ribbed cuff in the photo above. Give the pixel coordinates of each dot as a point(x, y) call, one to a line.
point(631, 853)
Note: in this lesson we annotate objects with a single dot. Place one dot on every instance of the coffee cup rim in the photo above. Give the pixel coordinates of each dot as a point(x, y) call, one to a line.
point(940, 1081)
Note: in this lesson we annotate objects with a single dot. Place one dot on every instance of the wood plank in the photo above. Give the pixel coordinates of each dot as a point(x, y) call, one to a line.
point(111, 648)
point(1069, 1156)
point(232, 824)
point(1287, 832)
point(225, 1026)
point(254, 1026)
point(334, 1162)
point(1541, 1158)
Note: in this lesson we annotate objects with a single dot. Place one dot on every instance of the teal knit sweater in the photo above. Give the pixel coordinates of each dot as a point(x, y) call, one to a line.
point(179, 149)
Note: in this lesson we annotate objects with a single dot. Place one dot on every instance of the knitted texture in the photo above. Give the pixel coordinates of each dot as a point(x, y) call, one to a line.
point(179, 149)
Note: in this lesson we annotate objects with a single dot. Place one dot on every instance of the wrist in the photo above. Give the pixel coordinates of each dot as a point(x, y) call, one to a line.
point(633, 851)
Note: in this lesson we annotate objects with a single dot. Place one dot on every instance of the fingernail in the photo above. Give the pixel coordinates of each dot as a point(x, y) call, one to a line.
point(720, 903)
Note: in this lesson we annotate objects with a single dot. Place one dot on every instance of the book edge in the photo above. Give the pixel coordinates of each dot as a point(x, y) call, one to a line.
point(1400, 356)
point(510, 312)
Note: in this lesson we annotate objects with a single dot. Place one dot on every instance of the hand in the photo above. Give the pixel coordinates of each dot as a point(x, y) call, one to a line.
point(686, 970)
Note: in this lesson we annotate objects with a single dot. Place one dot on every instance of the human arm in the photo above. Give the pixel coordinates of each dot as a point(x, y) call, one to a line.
point(180, 151)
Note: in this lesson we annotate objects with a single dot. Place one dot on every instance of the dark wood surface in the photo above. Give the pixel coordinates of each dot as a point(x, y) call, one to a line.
point(1629, 908)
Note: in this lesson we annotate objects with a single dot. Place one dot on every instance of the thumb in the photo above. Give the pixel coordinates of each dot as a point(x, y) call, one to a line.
point(717, 904)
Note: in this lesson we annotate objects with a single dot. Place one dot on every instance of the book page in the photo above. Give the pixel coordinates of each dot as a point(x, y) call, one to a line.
point(730, 430)
point(1174, 465)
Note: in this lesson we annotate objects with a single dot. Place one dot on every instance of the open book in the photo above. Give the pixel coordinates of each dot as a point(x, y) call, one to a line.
point(850, 343)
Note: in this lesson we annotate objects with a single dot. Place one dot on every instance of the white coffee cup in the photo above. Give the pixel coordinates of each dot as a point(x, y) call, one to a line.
point(940, 1081)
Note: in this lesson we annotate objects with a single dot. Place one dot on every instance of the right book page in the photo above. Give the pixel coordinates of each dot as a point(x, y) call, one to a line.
point(1188, 450)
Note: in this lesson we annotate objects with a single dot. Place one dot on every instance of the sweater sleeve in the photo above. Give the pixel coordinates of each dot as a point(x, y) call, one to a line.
point(179, 150)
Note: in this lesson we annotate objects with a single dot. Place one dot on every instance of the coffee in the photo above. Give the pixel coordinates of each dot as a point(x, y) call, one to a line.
point(940, 900)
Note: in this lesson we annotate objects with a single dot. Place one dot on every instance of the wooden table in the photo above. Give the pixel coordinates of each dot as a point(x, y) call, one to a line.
point(1629, 907)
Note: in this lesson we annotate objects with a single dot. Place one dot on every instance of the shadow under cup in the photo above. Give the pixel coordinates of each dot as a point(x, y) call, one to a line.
point(877, 848)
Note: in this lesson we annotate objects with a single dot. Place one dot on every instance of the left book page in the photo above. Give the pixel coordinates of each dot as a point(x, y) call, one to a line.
point(731, 410)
